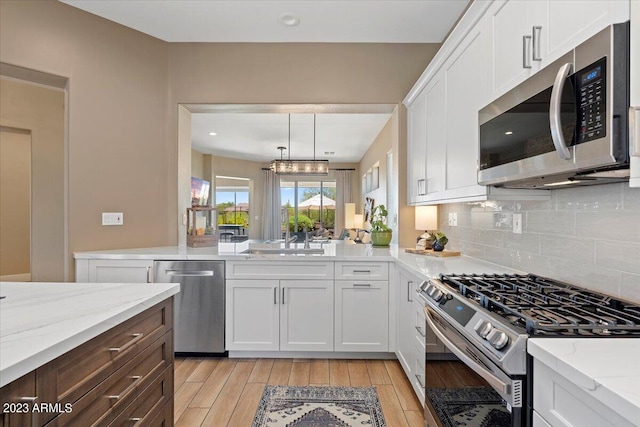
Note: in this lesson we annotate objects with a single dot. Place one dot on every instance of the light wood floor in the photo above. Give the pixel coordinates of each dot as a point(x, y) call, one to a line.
point(226, 392)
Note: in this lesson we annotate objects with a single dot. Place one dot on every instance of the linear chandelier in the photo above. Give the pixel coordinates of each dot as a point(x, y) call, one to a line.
point(287, 166)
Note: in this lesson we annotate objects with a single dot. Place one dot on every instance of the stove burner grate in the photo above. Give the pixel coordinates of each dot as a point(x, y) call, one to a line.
point(548, 307)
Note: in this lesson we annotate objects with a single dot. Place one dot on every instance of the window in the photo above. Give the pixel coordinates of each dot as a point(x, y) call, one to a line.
point(311, 204)
point(232, 203)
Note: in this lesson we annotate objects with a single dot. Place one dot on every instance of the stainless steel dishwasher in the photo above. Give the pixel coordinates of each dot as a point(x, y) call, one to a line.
point(199, 307)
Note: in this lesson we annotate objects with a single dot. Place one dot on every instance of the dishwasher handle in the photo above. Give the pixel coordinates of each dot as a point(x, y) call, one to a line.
point(185, 273)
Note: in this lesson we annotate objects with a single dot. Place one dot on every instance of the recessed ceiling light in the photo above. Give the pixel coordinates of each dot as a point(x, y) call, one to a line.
point(508, 132)
point(212, 133)
point(288, 19)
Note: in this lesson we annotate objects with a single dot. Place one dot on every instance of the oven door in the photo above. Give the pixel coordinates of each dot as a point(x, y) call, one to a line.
point(511, 389)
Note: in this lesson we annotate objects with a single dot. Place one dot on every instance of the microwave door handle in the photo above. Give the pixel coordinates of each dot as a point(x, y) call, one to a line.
point(489, 377)
point(555, 109)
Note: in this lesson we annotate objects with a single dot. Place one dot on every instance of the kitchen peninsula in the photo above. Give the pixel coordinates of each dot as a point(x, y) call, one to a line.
point(65, 345)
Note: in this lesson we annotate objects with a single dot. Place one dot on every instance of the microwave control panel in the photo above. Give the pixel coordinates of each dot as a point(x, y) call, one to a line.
point(592, 107)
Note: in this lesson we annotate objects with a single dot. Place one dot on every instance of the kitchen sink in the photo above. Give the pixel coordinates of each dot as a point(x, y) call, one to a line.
point(284, 251)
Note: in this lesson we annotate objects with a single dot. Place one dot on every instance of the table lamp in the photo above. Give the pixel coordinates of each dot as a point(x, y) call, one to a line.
point(426, 219)
point(349, 212)
point(358, 223)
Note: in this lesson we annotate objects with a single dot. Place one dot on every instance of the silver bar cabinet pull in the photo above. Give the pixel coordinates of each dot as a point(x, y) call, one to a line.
point(409, 283)
point(136, 337)
point(526, 51)
point(537, 56)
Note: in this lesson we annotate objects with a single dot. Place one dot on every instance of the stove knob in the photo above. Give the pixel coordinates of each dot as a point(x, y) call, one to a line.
point(437, 295)
point(498, 339)
point(483, 328)
point(428, 289)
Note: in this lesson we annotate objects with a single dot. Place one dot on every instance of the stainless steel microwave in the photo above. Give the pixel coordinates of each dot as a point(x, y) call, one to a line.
point(566, 125)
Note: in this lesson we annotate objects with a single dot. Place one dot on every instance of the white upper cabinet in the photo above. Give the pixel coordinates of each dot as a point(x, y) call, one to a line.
point(527, 35)
point(416, 150)
point(495, 46)
point(513, 41)
point(466, 91)
point(426, 144)
point(435, 141)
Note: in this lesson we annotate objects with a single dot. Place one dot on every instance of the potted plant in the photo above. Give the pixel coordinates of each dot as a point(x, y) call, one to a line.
point(380, 232)
point(440, 242)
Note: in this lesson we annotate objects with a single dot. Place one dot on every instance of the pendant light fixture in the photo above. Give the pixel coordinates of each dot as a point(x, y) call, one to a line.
point(300, 167)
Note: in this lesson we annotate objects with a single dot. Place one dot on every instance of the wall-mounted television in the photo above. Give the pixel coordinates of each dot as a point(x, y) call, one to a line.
point(199, 192)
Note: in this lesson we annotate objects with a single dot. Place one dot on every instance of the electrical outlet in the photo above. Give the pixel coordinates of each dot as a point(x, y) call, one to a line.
point(112, 218)
point(184, 219)
point(453, 219)
point(517, 223)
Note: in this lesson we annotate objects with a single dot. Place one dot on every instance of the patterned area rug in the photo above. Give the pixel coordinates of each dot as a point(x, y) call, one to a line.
point(469, 407)
point(283, 406)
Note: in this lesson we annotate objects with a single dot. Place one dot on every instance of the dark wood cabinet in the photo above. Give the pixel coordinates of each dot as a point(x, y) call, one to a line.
point(125, 370)
point(17, 400)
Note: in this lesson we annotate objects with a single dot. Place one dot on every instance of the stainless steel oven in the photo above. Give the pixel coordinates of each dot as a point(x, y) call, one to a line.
point(486, 320)
point(565, 125)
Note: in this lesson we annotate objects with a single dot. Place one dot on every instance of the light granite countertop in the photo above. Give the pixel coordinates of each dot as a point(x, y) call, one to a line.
point(41, 321)
point(606, 368)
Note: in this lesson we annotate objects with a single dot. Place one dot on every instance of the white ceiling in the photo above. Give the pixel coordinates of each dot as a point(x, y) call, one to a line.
point(368, 21)
point(256, 137)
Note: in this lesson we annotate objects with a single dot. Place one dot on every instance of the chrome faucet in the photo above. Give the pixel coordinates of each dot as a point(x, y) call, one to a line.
point(287, 236)
point(306, 238)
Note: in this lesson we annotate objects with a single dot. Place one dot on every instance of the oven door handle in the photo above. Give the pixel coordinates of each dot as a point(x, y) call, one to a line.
point(495, 382)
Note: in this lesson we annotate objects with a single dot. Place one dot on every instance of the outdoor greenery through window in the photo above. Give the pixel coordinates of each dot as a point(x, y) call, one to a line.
point(311, 204)
point(232, 202)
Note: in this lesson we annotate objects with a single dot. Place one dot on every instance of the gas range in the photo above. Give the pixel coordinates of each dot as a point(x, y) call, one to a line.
point(498, 312)
point(486, 320)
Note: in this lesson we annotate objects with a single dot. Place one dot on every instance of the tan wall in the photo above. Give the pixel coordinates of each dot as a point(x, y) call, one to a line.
point(118, 146)
point(124, 91)
point(197, 165)
point(15, 202)
point(377, 154)
point(291, 73)
point(40, 111)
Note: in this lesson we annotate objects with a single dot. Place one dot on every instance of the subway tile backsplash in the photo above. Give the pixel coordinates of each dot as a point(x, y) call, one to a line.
point(588, 236)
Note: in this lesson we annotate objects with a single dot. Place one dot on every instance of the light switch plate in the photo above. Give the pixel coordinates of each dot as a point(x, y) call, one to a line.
point(517, 223)
point(112, 218)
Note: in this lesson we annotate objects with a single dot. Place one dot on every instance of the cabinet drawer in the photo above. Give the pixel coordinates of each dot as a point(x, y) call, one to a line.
point(149, 404)
point(19, 392)
point(72, 375)
point(165, 417)
point(362, 270)
point(279, 270)
point(102, 404)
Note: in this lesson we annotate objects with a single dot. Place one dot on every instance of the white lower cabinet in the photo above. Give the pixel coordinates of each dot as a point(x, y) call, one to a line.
point(405, 351)
point(538, 421)
point(306, 315)
point(114, 270)
point(562, 403)
point(253, 315)
point(362, 315)
point(285, 315)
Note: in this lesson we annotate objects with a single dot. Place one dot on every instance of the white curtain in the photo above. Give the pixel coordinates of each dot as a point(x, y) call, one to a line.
point(271, 206)
point(343, 195)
